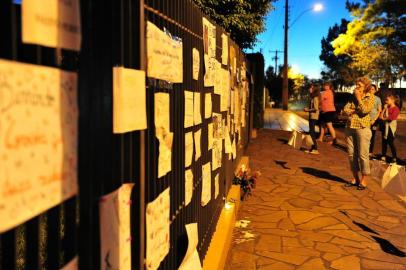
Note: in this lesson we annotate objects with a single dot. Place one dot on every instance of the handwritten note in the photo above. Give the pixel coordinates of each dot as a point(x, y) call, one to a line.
point(197, 116)
point(234, 149)
point(227, 142)
point(217, 153)
point(115, 229)
point(198, 135)
point(224, 49)
point(210, 136)
point(38, 140)
point(206, 184)
point(196, 63)
point(163, 134)
point(208, 106)
point(218, 78)
point(188, 149)
point(157, 221)
point(164, 55)
point(209, 44)
point(129, 102)
point(191, 261)
point(51, 23)
point(189, 109)
point(225, 90)
point(188, 186)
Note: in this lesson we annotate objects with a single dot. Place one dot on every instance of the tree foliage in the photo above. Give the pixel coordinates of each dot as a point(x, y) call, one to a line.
point(375, 39)
point(243, 19)
point(337, 67)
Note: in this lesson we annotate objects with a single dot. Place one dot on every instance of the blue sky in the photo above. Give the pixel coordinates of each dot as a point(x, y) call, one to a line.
point(304, 36)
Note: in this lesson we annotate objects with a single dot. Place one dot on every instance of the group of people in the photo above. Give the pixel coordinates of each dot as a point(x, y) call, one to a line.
point(366, 116)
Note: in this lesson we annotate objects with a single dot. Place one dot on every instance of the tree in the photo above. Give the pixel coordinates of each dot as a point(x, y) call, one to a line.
point(243, 19)
point(337, 68)
point(375, 39)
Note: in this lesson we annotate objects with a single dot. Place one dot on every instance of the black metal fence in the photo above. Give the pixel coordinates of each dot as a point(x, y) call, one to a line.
point(113, 34)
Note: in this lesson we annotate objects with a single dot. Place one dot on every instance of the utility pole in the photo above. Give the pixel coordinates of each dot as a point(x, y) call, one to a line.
point(285, 91)
point(276, 58)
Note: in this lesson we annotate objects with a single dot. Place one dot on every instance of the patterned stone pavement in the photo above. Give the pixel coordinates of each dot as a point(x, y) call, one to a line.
point(301, 216)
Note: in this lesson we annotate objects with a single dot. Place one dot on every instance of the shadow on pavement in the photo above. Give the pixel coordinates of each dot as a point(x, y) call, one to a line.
point(284, 141)
point(282, 164)
point(385, 245)
point(322, 174)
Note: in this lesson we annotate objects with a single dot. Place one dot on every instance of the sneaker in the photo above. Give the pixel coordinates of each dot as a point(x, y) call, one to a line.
point(313, 152)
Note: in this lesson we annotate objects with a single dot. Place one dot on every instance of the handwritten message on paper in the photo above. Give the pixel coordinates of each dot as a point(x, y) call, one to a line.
point(164, 55)
point(209, 44)
point(163, 134)
point(197, 116)
point(224, 49)
point(51, 23)
point(210, 136)
point(206, 184)
point(217, 153)
point(189, 109)
point(129, 101)
point(115, 229)
point(188, 149)
point(196, 63)
point(218, 78)
point(188, 186)
point(38, 140)
point(225, 90)
point(208, 106)
point(157, 221)
point(198, 135)
point(191, 261)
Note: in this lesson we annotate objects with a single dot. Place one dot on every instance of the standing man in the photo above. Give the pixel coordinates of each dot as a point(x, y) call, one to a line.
point(375, 120)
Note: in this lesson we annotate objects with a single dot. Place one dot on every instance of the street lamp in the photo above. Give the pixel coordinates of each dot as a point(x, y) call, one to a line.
point(285, 91)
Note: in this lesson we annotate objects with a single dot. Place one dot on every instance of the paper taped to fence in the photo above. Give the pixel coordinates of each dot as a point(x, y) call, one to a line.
point(189, 109)
point(197, 137)
point(115, 229)
point(196, 63)
point(191, 261)
point(163, 134)
point(217, 153)
point(158, 225)
point(210, 136)
point(188, 149)
point(224, 49)
point(206, 184)
point(209, 44)
point(129, 101)
point(51, 23)
point(164, 55)
point(188, 186)
point(208, 106)
point(197, 116)
point(38, 140)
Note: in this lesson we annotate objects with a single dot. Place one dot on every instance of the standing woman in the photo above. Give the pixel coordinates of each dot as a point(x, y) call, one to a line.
point(375, 118)
point(328, 111)
point(358, 132)
point(390, 115)
point(313, 116)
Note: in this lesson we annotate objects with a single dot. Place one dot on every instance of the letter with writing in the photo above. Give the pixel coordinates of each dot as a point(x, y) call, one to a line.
point(188, 186)
point(115, 229)
point(208, 106)
point(196, 63)
point(197, 136)
point(188, 149)
point(197, 116)
point(164, 55)
point(224, 49)
point(157, 221)
point(189, 109)
point(129, 102)
point(206, 184)
point(52, 23)
point(38, 140)
point(163, 134)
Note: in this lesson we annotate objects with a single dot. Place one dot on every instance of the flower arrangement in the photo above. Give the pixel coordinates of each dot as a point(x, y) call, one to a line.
point(246, 180)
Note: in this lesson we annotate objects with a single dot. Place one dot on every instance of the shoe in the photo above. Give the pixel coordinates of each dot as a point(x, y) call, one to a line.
point(361, 187)
point(350, 184)
point(383, 158)
point(313, 152)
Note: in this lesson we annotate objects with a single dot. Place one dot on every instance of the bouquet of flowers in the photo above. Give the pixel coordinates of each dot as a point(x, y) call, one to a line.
point(246, 181)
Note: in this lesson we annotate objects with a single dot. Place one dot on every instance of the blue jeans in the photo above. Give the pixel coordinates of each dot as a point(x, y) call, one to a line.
point(358, 142)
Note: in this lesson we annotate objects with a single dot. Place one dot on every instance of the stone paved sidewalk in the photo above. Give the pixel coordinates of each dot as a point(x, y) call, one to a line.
point(302, 217)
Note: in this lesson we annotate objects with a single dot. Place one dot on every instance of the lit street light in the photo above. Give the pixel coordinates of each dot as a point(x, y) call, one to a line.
point(285, 91)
